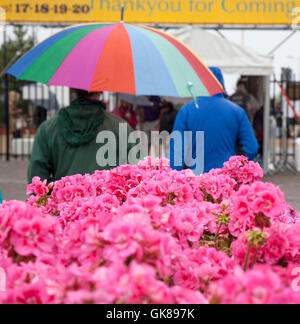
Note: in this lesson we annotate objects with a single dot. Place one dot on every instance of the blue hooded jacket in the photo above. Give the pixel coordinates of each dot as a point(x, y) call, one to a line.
point(221, 123)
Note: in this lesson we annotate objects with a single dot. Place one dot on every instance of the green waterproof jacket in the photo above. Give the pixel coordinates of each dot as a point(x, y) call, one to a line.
point(69, 143)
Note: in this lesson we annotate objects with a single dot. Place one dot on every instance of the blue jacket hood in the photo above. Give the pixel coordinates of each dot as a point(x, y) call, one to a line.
point(219, 75)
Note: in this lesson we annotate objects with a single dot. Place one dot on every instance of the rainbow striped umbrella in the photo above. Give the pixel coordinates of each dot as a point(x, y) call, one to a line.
point(117, 58)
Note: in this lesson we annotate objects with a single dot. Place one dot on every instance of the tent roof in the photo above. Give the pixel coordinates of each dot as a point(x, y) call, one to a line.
point(232, 58)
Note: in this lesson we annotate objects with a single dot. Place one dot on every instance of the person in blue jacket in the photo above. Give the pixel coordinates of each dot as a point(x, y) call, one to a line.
point(218, 125)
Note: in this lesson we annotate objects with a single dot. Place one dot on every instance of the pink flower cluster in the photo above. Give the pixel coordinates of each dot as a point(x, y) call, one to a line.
point(148, 234)
point(243, 171)
point(259, 204)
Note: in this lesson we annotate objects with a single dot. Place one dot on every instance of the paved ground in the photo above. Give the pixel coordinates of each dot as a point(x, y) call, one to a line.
point(290, 184)
point(13, 179)
point(13, 182)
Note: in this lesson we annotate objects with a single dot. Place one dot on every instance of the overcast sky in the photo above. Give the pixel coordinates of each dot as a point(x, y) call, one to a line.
point(262, 41)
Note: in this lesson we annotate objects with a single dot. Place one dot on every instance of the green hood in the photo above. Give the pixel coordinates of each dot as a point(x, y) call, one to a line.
point(80, 123)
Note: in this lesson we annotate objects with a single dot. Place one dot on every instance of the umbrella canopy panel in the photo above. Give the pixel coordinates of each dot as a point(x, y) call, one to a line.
point(118, 58)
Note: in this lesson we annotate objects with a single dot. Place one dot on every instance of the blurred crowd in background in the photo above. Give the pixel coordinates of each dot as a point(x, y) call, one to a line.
point(142, 113)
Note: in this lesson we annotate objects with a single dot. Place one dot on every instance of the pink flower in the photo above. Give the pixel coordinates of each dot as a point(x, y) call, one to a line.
point(38, 187)
point(185, 296)
point(258, 286)
point(239, 250)
point(286, 297)
point(242, 170)
point(275, 248)
point(33, 236)
point(194, 269)
point(34, 294)
point(148, 234)
point(187, 225)
point(253, 203)
point(120, 235)
point(261, 286)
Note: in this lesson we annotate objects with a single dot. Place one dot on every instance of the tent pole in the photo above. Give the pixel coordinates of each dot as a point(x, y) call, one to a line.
point(275, 49)
point(220, 33)
point(6, 95)
point(117, 104)
point(267, 113)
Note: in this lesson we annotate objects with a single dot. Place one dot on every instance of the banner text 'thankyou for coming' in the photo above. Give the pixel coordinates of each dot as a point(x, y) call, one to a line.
point(202, 6)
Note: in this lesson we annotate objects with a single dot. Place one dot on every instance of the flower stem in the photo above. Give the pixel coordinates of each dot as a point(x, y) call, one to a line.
point(247, 258)
point(218, 232)
point(255, 258)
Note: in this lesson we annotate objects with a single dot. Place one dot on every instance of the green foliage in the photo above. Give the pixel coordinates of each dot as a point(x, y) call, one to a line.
point(16, 46)
point(20, 43)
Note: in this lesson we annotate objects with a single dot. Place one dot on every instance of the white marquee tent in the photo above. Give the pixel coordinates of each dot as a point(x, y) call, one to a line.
point(232, 58)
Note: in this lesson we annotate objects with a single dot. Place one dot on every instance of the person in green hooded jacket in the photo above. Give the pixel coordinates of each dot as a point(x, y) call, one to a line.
point(68, 144)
